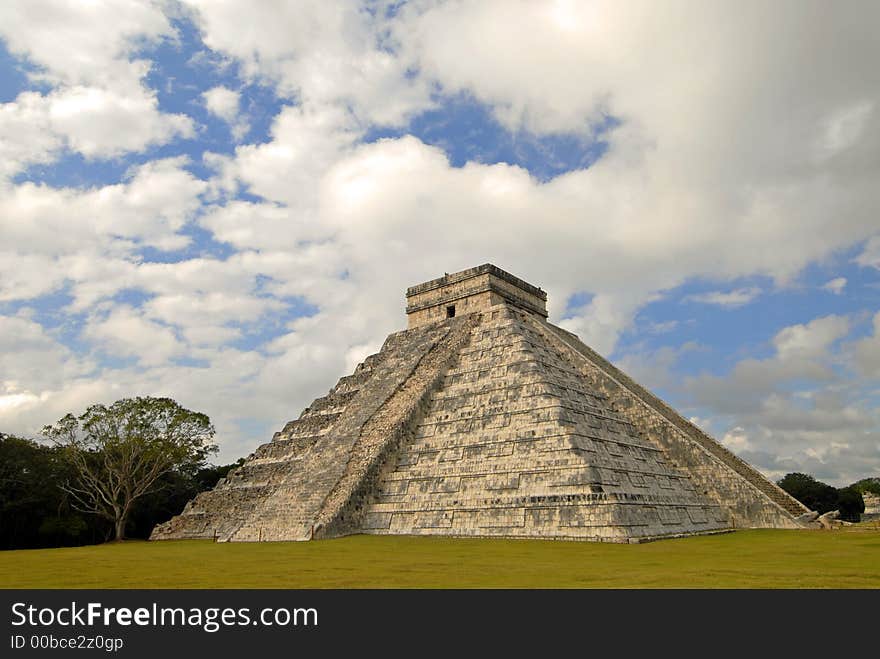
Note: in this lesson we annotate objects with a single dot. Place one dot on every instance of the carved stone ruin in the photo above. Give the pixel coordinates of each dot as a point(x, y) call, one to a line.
point(483, 419)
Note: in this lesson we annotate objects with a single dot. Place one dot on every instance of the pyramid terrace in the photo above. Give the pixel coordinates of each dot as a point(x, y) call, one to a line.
point(483, 419)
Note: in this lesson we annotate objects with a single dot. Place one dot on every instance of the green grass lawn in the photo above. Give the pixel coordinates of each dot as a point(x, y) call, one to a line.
point(847, 558)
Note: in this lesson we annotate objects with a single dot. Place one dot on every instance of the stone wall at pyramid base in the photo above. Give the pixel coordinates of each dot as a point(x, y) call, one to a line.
point(548, 528)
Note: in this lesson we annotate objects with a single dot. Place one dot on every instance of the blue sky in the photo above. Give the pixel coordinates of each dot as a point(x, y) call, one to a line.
point(230, 216)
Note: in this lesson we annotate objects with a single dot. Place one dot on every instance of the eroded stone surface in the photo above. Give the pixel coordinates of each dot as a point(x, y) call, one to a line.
point(491, 422)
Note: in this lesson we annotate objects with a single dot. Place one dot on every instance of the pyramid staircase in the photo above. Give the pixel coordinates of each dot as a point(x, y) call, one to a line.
point(490, 423)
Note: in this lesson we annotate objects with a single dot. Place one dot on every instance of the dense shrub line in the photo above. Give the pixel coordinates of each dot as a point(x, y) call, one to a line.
point(36, 512)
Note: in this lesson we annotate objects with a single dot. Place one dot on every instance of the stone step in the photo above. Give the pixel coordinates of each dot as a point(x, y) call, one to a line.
point(692, 432)
point(257, 473)
point(306, 426)
point(281, 448)
point(332, 403)
point(290, 512)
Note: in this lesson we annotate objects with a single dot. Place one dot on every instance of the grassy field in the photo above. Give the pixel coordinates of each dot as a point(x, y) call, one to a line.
point(847, 558)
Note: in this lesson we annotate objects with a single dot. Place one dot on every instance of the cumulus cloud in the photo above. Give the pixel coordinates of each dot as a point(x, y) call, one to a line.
point(98, 123)
point(83, 43)
point(36, 368)
point(835, 285)
point(97, 105)
point(660, 207)
point(26, 136)
point(225, 103)
point(810, 340)
point(654, 368)
point(105, 123)
point(735, 298)
point(126, 333)
point(147, 209)
point(799, 409)
point(753, 152)
point(737, 440)
point(867, 351)
point(322, 53)
point(89, 242)
point(802, 352)
point(870, 254)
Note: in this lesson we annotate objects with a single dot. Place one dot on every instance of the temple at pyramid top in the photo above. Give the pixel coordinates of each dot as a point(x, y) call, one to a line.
point(469, 291)
point(484, 419)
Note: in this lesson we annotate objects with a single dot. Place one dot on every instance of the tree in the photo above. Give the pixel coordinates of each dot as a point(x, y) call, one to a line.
point(850, 504)
point(121, 453)
point(871, 485)
point(34, 511)
point(814, 494)
point(176, 489)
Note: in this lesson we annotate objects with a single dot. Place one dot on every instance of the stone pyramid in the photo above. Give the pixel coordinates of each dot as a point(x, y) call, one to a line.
point(483, 419)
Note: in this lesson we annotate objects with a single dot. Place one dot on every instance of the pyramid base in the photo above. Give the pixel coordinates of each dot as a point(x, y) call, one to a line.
point(564, 538)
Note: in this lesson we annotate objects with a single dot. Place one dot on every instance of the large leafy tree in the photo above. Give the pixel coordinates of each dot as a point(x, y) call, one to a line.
point(125, 451)
point(814, 494)
point(850, 504)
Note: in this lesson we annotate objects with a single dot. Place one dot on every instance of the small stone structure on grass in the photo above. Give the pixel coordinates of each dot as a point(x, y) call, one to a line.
point(872, 507)
point(483, 419)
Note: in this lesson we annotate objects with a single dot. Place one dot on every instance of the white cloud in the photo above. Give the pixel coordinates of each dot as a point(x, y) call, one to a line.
point(249, 225)
point(91, 237)
point(796, 410)
point(25, 347)
point(149, 208)
point(26, 276)
point(600, 322)
point(867, 351)
point(26, 136)
point(803, 353)
point(322, 53)
point(753, 152)
point(844, 128)
point(675, 196)
point(810, 340)
point(225, 103)
point(105, 123)
point(205, 316)
point(34, 367)
point(870, 254)
point(126, 333)
point(835, 285)
point(98, 105)
point(96, 122)
point(83, 42)
point(554, 66)
point(654, 368)
point(735, 298)
point(737, 440)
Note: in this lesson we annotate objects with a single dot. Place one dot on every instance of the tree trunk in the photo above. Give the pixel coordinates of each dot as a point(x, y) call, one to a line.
point(120, 528)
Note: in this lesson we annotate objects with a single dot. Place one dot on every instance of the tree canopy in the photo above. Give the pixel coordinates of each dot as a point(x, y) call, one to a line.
point(125, 451)
point(850, 504)
point(34, 512)
point(871, 485)
point(814, 494)
point(822, 498)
